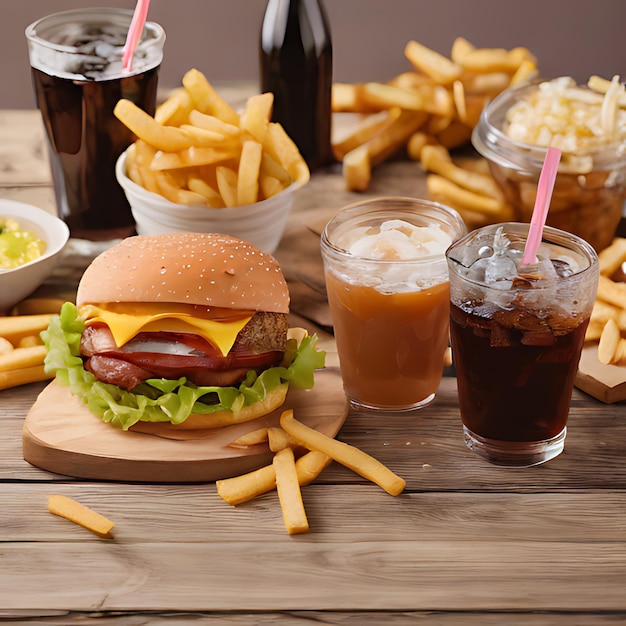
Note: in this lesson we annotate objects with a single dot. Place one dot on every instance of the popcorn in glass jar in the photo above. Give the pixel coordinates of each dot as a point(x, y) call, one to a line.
point(588, 123)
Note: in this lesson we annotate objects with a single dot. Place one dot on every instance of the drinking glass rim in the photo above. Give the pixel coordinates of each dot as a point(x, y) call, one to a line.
point(454, 222)
point(31, 30)
point(551, 235)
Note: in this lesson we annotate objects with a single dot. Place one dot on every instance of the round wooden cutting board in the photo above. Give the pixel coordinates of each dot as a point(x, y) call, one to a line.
point(61, 435)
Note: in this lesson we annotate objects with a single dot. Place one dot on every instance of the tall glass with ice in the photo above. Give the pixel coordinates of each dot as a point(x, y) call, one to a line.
point(77, 73)
point(387, 285)
point(517, 334)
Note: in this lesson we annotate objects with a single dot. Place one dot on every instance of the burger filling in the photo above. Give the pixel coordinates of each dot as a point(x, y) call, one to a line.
point(259, 345)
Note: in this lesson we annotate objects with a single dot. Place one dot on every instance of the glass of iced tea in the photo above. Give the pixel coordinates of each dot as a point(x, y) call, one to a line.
point(387, 285)
point(517, 333)
point(77, 74)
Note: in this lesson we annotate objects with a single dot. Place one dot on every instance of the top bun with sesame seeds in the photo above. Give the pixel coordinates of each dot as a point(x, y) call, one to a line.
point(186, 329)
point(206, 269)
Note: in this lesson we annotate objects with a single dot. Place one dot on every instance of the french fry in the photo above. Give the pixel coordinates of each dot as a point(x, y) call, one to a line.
point(357, 170)
point(611, 347)
point(202, 187)
point(437, 159)
point(145, 127)
point(416, 144)
point(278, 439)
point(175, 110)
point(38, 306)
point(346, 97)
point(253, 438)
point(248, 173)
point(21, 358)
point(242, 488)
point(227, 184)
point(611, 292)
point(14, 327)
point(310, 465)
point(441, 69)
point(289, 494)
point(283, 149)
point(206, 99)
point(488, 60)
point(29, 341)
point(23, 376)
point(527, 71)
point(5, 346)
point(353, 458)
point(395, 136)
point(493, 208)
point(78, 513)
point(373, 124)
point(612, 257)
point(460, 48)
point(257, 116)
point(212, 123)
point(382, 96)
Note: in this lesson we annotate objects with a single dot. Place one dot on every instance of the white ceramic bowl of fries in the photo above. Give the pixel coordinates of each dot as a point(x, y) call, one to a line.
point(19, 282)
point(588, 125)
point(262, 223)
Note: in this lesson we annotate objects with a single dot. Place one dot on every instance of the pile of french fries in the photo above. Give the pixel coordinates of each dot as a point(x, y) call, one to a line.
point(197, 150)
point(287, 475)
point(438, 102)
point(22, 352)
point(607, 325)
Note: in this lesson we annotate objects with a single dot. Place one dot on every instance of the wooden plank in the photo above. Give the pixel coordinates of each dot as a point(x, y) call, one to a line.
point(306, 618)
point(283, 575)
point(337, 513)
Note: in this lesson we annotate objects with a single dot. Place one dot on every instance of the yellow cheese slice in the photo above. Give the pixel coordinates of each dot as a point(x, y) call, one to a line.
point(124, 326)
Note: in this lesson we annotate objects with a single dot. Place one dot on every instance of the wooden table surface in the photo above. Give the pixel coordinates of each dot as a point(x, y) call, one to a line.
point(466, 543)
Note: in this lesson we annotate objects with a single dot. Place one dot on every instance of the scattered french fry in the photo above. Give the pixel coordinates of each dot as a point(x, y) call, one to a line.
point(21, 358)
point(278, 439)
point(248, 486)
point(357, 460)
point(611, 347)
point(611, 292)
point(289, 494)
point(80, 514)
point(14, 327)
point(253, 438)
point(5, 346)
point(240, 489)
point(23, 376)
point(612, 257)
point(38, 306)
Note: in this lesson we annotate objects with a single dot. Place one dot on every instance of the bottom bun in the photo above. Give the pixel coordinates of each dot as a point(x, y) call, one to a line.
point(200, 422)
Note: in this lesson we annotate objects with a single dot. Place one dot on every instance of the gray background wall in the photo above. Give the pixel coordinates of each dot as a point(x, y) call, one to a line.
point(220, 37)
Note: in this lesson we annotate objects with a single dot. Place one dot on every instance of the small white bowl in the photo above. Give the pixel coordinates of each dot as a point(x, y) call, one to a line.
point(18, 283)
point(261, 224)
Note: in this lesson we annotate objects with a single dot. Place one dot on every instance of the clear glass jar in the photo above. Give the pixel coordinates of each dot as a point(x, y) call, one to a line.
point(590, 188)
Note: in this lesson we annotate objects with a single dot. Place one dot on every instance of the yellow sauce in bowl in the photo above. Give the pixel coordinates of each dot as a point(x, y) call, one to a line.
point(17, 246)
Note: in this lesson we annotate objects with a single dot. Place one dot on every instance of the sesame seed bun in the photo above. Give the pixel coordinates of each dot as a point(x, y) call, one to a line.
point(187, 268)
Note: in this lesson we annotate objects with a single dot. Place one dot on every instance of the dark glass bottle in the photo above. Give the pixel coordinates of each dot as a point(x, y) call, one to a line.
point(296, 65)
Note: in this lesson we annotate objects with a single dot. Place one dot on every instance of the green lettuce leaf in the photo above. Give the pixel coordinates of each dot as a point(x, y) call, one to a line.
point(162, 400)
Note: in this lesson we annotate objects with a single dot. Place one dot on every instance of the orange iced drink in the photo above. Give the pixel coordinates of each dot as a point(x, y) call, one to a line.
point(388, 291)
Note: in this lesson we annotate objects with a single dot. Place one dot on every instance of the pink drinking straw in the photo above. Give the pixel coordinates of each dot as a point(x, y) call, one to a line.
point(134, 34)
point(542, 204)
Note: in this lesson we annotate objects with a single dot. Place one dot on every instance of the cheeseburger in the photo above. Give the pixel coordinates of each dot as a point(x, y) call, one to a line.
point(189, 329)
